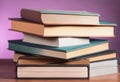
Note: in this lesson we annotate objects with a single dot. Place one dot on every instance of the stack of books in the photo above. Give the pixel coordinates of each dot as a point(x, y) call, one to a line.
point(57, 44)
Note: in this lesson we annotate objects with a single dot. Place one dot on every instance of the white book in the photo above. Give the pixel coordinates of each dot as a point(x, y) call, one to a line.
point(103, 68)
point(56, 41)
point(52, 72)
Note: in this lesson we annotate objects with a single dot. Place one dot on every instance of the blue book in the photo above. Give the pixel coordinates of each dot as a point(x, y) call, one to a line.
point(59, 52)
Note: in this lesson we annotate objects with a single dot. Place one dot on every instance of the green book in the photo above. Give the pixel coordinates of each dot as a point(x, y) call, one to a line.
point(61, 52)
point(102, 22)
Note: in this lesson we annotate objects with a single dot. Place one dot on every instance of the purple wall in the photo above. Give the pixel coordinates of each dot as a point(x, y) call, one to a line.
point(109, 10)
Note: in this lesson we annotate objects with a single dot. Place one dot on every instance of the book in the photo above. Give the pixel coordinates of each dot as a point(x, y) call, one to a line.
point(95, 57)
point(59, 52)
point(104, 29)
point(49, 68)
point(60, 17)
point(17, 56)
point(55, 41)
point(27, 66)
point(103, 68)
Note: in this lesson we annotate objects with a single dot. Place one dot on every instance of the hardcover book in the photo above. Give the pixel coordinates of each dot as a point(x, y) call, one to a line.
point(44, 67)
point(55, 41)
point(59, 52)
point(95, 57)
point(103, 67)
point(104, 29)
point(60, 17)
point(48, 68)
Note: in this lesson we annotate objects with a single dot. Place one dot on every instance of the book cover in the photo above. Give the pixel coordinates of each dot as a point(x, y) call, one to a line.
point(86, 13)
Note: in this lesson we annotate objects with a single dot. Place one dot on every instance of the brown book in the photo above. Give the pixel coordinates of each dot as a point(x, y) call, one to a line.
point(44, 67)
point(42, 60)
point(17, 56)
point(100, 56)
point(105, 29)
point(60, 17)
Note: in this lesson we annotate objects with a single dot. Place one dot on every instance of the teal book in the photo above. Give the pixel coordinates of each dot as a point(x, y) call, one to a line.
point(60, 17)
point(102, 22)
point(61, 52)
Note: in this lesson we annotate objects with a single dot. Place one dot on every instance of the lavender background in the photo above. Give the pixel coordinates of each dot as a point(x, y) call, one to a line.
point(108, 9)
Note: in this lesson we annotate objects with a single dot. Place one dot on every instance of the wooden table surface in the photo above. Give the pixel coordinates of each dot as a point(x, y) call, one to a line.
point(7, 74)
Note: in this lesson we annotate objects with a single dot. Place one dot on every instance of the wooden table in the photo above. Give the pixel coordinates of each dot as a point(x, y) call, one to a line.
point(7, 74)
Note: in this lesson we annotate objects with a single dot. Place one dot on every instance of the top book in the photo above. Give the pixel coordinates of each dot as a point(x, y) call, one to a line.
point(60, 17)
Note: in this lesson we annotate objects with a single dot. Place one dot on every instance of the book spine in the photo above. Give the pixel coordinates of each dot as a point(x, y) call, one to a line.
point(31, 15)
